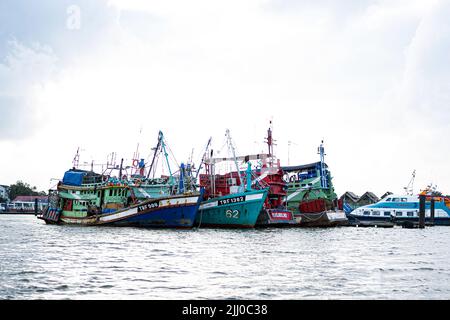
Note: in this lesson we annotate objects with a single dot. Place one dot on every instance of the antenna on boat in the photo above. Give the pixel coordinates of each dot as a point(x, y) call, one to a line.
point(409, 189)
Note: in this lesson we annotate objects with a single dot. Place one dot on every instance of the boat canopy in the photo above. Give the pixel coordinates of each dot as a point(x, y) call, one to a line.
point(73, 178)
point(302, 167)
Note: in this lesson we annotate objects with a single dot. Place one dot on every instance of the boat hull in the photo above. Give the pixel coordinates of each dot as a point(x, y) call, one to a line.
point(276, 218)
point(239, 210)
point(438, 221)
point(369, 221)
point(329, 218)
point(167, 212)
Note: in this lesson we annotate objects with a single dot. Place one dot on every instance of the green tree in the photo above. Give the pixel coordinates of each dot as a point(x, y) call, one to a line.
point(21, 188)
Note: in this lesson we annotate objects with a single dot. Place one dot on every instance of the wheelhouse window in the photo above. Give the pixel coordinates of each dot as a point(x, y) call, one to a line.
point(399, 214)
point(388, 199)
point(410, 214)
point(376, 213)
point(395, 199)
point(366, 213)
point(387, 213)
point(403, 200)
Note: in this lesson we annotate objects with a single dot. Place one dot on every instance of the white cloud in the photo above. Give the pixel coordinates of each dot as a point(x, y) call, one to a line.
point(195, 68)
point(24, 70)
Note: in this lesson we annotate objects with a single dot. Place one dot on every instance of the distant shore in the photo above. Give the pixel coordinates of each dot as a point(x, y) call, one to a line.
point(17, 213)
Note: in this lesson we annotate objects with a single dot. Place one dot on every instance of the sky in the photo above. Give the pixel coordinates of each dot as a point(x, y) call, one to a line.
point(369, 78)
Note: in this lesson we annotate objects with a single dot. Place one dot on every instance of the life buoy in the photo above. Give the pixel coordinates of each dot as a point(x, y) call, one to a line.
point(135, 163)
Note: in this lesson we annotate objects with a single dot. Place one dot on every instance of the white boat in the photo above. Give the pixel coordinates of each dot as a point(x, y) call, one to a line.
point(401, 208)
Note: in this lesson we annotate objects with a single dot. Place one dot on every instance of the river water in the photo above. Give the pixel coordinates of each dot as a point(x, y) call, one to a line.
point(40, 261)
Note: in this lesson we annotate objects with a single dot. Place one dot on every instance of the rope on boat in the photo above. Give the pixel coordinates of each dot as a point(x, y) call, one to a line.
point(314, 220)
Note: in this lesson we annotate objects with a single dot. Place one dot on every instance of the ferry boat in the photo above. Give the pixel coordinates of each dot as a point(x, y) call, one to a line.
point(93, 199)
point(402, 208)
point(228, 204)
point(311, 195)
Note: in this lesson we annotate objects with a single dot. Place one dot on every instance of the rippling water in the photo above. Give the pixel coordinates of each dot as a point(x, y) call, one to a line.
point(40, 261)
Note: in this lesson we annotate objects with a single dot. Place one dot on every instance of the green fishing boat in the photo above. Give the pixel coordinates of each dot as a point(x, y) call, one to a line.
point(89, 198)
point(311, 195)
point(240, 210)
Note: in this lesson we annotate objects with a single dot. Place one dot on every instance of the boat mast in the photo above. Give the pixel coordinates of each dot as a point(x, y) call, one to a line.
point(120, 170)
point(323, 178)
point(181, 182)
point(203, 159)
point(270, 144)
point(410, 187)
point(213, 174)
point(76, 159)
point(230, 145)
point(166, 155)
point(158, 145)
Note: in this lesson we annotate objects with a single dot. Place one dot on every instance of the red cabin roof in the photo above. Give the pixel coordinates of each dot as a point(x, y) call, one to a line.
point(30, 198)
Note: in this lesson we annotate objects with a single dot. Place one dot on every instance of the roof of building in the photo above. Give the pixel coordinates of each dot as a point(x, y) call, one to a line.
point(30, 198)
point(350, 195)
point(370, 196)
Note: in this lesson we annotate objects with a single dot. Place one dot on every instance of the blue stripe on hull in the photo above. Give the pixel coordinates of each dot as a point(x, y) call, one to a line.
point(174, 217)
point(353, 218)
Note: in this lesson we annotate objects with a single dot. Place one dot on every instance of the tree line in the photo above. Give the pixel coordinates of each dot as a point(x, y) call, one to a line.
point(21, 188)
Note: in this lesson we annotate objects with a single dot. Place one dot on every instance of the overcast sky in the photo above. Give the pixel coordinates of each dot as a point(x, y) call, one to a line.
point(371, 78)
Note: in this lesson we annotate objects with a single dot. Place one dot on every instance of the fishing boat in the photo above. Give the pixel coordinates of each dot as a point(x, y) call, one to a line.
point(269, 175)
point(95, 199)
point(229, 203)
point(311, 195)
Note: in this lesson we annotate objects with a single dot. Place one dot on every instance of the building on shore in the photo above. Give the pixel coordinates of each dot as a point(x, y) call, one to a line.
point(367, 198)
point(4, 193)
point(349, 198)
point(27, 204)
point(350, 201)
